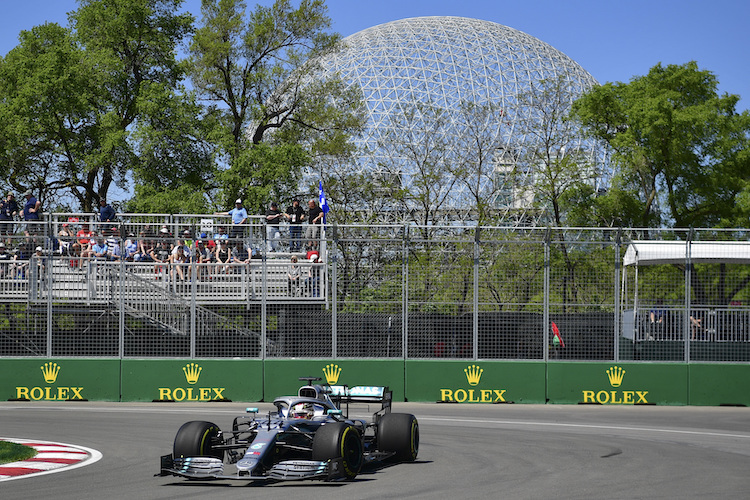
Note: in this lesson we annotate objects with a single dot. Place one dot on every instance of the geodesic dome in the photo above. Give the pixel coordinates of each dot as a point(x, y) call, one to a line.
point(446, 64)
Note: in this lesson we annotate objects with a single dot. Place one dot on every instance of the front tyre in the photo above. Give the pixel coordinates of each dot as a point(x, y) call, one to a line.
point(196, 439)
point(399, 433)
point(339, 440)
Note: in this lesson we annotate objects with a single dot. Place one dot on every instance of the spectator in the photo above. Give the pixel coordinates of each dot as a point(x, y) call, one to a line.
point(293, 278)
point(145, 247)
point(239, 218)
point(201, 256)
point(131, 248)
point(314, 221)
point(106, 216)
point(179, 258)
point(223, 256)
point(99, 249)
point(114, 252)
point(273, 218)
point(5, 259)
point(65, 239)
point(313, 277)
point(160, 254)
point(8, 210)
point(87, 251)
point(31, 212)
point(295, 214)
point(241, 254)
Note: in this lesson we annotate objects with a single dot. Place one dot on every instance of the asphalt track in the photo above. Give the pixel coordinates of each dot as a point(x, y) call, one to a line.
point(466, 451)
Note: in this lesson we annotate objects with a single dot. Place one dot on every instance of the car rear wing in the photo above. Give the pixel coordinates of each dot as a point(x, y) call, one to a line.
point(362, 394)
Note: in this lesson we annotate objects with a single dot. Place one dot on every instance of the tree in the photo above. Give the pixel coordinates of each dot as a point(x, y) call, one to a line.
point(679, 148)
point(258, 78)
point(72, 98)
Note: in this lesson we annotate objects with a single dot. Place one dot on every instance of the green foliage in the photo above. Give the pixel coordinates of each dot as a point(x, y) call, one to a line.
point(680, 148)
point(14, 452)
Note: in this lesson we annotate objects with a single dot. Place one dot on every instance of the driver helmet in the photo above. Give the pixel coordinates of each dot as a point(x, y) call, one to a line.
point(303, 410)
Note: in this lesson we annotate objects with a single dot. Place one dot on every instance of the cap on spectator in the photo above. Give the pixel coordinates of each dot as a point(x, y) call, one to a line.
point(238, 201)
point(10, 193)
point(38, 249)
point(164, 230)
point(2, 245)
point(273, 204)
point(65, 224)
point(199, 242)
point(186, 232)
point(27, 193)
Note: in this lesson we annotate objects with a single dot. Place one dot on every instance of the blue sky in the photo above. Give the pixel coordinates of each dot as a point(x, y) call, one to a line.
point(612, 40)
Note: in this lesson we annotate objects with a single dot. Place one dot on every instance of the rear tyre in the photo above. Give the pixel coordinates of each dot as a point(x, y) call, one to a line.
point(339, 440)
point(399, 433)
point(196, 439)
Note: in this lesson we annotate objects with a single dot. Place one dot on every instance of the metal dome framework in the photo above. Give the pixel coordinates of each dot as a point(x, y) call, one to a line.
point(449, 63)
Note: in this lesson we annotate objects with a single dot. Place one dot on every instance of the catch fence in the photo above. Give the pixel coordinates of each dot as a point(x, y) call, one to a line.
point(391, 291)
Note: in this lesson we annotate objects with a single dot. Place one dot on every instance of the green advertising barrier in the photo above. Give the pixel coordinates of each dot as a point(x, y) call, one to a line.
point(617, 383)
point(60, 379)
point(282, 376)
point(715, 385)
point(475, 381)
point(192, 380)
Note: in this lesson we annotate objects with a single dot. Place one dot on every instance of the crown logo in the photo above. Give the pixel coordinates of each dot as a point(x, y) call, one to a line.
point(615, 375)
point(192, 372)
point(332, 373)
point(473, 374)
point(50, 371)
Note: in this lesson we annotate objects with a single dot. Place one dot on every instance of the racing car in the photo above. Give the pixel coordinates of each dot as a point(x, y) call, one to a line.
point(308, 436)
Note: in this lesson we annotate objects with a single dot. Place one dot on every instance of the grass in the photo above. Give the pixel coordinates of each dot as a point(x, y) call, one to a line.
point(13, 452)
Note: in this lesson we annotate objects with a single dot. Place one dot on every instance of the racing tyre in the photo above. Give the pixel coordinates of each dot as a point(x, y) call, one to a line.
point(336, 440)
point(399, 433)
point(195, 439)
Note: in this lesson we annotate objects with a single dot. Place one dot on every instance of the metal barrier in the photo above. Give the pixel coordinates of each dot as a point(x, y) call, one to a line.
point(404, 291)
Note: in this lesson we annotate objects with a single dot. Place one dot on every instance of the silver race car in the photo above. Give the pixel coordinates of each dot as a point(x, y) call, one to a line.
point(308, 436)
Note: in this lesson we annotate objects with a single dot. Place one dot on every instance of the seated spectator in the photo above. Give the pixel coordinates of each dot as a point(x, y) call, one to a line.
point(293, 278)
point(160, 255)
point(131, 248)
point(65, 239)
point(223, 256)
point(179, 259)
point(99, 249)
point(200, 256)
point(114, 253)
point(145, 247)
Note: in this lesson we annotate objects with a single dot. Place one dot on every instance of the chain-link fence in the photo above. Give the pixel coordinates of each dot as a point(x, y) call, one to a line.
point(397, 291)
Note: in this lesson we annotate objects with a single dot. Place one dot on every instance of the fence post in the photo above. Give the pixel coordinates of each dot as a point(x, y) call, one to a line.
point(334, 293)
point(618, 308)
point(475, 324)
point(405, 293)
point(546, 306)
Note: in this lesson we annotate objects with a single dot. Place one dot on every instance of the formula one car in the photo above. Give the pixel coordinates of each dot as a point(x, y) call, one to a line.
point(309, 436)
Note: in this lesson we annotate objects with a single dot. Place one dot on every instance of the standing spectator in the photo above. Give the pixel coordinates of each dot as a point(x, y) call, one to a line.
point(106, 216)
point(313, 276)
point(239, 218)
point(114, 252)
point(295, 214)
point(5, 258)
point(8, 210)
point(273, 217)
point(314, 221)
point(31, 212)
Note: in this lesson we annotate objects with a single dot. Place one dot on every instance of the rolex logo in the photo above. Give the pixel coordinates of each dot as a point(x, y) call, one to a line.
point(615, 375)
point(332, 373)
point(192, 372)
point(50, 371)
point(473, 374)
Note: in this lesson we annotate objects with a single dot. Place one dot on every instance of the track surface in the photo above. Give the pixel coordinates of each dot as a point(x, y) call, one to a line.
point(466, 451)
